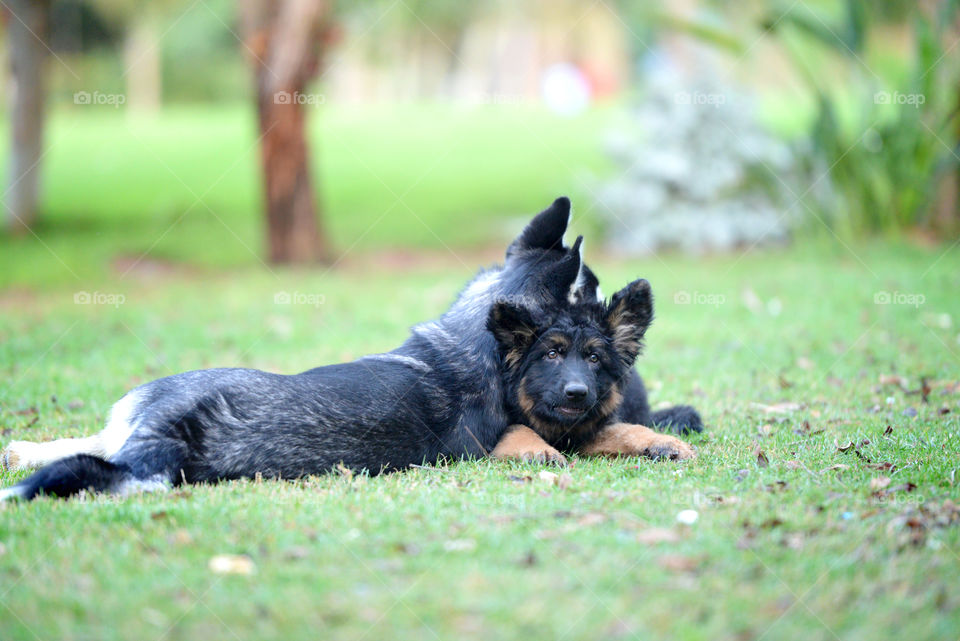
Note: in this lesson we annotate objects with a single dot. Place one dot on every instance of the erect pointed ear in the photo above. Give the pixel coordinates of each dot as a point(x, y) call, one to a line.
point(514, 329)
point(562, 279)
point(547, 228)
point(628, 316)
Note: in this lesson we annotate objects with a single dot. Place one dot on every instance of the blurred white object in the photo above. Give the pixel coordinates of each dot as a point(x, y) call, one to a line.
point(687, 517)
point(565, 89)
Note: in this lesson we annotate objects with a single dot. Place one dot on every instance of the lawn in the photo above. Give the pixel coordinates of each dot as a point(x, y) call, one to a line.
point(398, 177)
point(787, 353)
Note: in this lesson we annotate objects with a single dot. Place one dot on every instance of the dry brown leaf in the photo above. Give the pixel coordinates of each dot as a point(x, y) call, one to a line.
point(762, 459)
point(654, 535)
point(591, 518)
point(548, 477)
point(678, 563)
point(838, 467)
point(892, 379)
point(879, 482)
point(564, 481)
point(232, 564)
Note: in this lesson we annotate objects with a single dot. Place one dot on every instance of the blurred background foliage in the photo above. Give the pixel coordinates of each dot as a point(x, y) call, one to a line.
point(442, 124)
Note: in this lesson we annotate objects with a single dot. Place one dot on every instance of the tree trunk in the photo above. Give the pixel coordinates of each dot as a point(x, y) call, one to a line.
point(141, 53)
point(26, 27)
point(284, 40)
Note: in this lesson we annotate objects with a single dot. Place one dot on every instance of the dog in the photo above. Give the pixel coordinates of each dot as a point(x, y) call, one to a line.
point(438, 395)
point(564, 376)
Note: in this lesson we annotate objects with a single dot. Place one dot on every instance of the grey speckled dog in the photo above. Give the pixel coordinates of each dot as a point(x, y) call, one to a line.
point(438, 395)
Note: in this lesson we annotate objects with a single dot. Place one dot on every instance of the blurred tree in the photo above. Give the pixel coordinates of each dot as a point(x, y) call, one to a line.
point(27, 22)
point(141, 23)
point(285, 40)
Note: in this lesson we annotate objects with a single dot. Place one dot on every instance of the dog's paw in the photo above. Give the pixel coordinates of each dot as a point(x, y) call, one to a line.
point(670, 448)
point(544, 455)
point(17, 456)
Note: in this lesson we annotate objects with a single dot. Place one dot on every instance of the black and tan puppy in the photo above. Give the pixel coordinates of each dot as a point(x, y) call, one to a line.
point(564, 376)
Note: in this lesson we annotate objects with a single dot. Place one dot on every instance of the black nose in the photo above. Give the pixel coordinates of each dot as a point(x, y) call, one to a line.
point(575, 391)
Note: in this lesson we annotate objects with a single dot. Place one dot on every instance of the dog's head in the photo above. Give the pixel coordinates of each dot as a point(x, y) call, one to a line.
point(539, 262)
point(563, 373)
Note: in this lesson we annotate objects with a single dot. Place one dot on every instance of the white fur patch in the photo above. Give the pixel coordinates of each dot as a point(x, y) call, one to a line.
point(139, 486)
point(399, 358)
point(11, 493)
point(120, 425)
point(578, 283)
point(600, 297)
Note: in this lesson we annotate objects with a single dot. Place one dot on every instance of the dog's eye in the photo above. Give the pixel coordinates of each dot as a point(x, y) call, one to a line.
point(552, 354)
point(593, 358)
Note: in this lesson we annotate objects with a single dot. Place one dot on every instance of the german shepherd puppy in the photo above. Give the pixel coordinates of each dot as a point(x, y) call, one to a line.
point(439, 394)
point(564, 375)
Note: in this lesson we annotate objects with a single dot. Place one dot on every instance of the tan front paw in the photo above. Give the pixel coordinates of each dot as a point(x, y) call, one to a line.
point(668, 447)
point(520, 442)
point(12, 458)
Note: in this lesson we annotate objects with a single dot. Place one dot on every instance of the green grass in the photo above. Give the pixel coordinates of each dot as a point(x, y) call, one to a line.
point(476, 550)
point(184, 186)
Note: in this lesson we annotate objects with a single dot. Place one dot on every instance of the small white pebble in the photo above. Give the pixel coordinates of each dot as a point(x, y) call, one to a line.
point(891, 400)
point(687, 517)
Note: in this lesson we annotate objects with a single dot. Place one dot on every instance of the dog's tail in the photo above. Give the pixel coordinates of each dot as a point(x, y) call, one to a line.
point(73, 474)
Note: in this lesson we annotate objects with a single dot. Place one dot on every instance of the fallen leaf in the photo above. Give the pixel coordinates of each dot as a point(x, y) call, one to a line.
point(845, 448)
point(677, 563)
point(888, 431)
point(879, 482)
point(892, 379)
point(762, 459)
point(886, 466)
point(765, 429)
point(903, 487)
point(794, 465)
point(520, 479)
point(591, 518)
point(232, 564)
point(778, 408)
point(564, 481)
point(838, 467)
point(548, 477)
point(654, 535)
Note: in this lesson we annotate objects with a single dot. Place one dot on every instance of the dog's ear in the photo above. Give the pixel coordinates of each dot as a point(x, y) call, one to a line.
point(514, 328)
point(546, 230)
point(566, 276)
point(628, 316)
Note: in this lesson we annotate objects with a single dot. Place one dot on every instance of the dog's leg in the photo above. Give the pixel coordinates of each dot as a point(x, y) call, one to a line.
point(636, 440)
point(521, 442)
point(26, 455)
